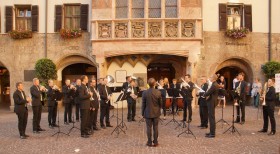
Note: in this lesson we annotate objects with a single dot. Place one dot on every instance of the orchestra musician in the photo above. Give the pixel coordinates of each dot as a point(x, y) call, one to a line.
point(131, 100)
point(175, 87)
point(21, 110)
point(105, 103)
point(162, 88)
point(187, 88)
point(126, 84)
point(222, 91)
point(68, 91)
point(211, 96)
point(203, 109)
point(52, 95)
point(94, 105)
point(269, 107)
point(240, 88)
point(166, 83)
point(76, 100)
point(36, 92)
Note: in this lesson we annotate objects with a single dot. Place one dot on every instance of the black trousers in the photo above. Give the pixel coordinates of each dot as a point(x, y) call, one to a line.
point(242, 108)
point(203, 112)
point(174, 104)
point(104, 113)
point(152, 122)
point(68, 112)
point(22, 121)
point(131, 107)
point(93, 119)
point(211, 116)
point(52, 110)
point(164, 105)
point(268, 112)
point(37, 111)
point(187, 105)
point(77, 111)
point(85, 120)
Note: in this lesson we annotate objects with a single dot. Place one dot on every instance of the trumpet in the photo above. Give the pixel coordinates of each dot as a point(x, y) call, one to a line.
point(73, 87)
point(185, 83)
point(43, 88)
point(159, 86)
point(89, 91)
point(109, 99)
point(56, 88)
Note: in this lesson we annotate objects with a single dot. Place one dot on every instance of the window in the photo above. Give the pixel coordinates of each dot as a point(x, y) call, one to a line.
point(121, 8)
point(72, 16)
point(170, 8)
point(235, 15)
point(23, 18)
point(154, 8)
point(138, 8)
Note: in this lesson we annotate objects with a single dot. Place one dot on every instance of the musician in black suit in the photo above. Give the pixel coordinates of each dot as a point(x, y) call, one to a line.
point(94, 105)
point(151, 105)
point(175, 87)
point(84, 96)
point(241, 97)
point(126, 84)
point(99, 83)
point(21, 109)
point(186, 91)
point(76, 100)
point(68, 91)
point(269, 107)
point(162, 88)
point(105, 103)
point(37, 99)
point(203, 109)
point(52, 94)
point(131, 100)
point(212, 95)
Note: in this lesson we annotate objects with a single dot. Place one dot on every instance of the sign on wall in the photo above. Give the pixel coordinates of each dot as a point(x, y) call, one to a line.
point(277, 83)
point(120, 76)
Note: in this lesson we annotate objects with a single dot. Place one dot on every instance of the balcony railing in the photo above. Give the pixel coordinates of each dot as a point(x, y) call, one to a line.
point(143, 29)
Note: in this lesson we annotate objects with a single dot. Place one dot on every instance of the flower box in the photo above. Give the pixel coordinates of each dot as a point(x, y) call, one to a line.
point(70, 33)
point(20, 34)
point(237, 33)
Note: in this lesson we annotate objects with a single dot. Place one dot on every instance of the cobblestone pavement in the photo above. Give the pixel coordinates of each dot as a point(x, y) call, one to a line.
point(133, 142)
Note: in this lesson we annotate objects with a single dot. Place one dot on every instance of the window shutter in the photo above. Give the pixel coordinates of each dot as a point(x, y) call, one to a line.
point(9, 18)
point(248, 17)
point(35, 15)
point(58, 18)
point(84, 17)
point(222, 17)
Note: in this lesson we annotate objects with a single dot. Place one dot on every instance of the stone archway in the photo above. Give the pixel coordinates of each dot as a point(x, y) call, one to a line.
point(5, 91)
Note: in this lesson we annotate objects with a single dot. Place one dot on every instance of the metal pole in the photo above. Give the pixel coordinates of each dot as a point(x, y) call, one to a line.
point(46, 29)
point(269, 30)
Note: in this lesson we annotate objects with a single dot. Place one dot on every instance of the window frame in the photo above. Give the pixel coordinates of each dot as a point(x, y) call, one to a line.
point(72, 16)
point(16, 11)
point(127, 7)
point(241, 15)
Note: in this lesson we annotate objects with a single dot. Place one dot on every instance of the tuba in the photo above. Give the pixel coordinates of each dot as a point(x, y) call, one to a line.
point(111, 81)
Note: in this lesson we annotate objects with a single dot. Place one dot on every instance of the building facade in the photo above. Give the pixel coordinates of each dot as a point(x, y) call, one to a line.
point(143, 38)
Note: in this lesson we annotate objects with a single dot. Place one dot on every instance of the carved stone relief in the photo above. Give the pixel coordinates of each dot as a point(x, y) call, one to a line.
point(171, 29)
point(104, 30)
point(188, 29)
point(138, 29)
point(121, 30)
point(155, 29)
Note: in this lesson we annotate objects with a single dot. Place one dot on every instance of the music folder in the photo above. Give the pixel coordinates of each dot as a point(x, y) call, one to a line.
point(121, 97)
point(173, 92)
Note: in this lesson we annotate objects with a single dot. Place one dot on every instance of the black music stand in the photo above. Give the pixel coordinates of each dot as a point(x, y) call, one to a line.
point(118, 128)
point(122, 124)
point(222, 119)
point(58, 131)
point(115, 89)
point(187, 131)
point(73, 126)
point(232, 128)
point(173, 93)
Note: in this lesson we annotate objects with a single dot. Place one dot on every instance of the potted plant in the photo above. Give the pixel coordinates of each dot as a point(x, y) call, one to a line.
point(237, 33)
point(20, 34)
point(70, 33)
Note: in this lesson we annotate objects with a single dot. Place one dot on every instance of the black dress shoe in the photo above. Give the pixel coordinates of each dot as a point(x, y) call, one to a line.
point(84, 136)
point(262, 131)
point(204, 127)
point(210, 136)
point(54, 125)
point(207, 134)
point(36, 132)
point(109, 125)
point(271, 133)
point(200, 126)
point(242, 123)
point(26, 135)
point(133, 120)
point(149, 144)
point(50, 126)
point(103, 127)
point(40, 129)
point(22, 137)
point(95, 128)
point(236, 121)
point(156, 144)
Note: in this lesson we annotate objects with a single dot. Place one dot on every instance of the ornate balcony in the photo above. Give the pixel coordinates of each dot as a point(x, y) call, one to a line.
point(147, 29)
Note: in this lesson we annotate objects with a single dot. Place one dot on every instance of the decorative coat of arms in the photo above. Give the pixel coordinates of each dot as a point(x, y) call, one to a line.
point(171, 29)
point(155, 29)
point(121, 30)
point(104, 30)
point(138, 29)
point(188, 29)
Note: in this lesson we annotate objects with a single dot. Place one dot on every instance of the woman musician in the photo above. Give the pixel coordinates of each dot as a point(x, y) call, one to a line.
point(269, 97)
point(162, 86)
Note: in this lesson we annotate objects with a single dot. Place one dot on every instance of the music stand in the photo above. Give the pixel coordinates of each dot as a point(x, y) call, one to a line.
point(173, 93)
point(232, 128)
point(73, 126)
point(118, 128)
point(58, 131)
point(122, 124)
point(114, 90)
point(222, 119)
point(187, 131)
